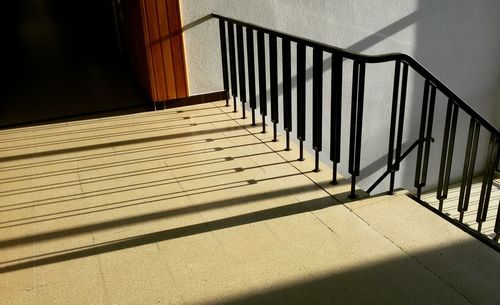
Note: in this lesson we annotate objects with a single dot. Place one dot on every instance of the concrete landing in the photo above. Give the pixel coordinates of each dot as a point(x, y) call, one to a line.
point(194, 206)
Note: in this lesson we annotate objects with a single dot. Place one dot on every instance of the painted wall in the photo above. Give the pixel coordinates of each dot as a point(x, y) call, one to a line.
point(457, 40)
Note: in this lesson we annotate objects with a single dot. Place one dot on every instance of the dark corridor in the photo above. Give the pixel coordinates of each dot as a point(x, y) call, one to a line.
point(62, 59)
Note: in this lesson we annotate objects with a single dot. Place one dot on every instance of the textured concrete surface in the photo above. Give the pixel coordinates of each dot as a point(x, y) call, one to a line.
point(194, 206)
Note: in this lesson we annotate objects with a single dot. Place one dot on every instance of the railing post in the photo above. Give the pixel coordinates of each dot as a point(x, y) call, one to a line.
point(447, 153)
point(261, 60)
point(468, 172)
point(489, 174)
point(497, 224)
point(287, 89)
point(241, 67)
point(336, 114)
point(273, 78)
point(358, 87)
point(393, 162)
point(232, 63)
point(223, 51)
point(301, 97)
point(251, 73)
point(426, 120)
point(317, 104)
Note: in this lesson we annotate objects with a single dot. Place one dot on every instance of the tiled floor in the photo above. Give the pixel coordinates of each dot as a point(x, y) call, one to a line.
point(194, 206)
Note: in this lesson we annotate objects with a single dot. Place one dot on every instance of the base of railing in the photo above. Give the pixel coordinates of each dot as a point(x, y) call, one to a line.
point(288, 141)
point(492, 243)
point(301, 151)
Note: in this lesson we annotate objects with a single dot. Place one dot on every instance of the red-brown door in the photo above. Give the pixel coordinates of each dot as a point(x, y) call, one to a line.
point(154, 34)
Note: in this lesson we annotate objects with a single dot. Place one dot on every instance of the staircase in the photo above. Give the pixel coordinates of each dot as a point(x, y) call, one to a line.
point(205, 205)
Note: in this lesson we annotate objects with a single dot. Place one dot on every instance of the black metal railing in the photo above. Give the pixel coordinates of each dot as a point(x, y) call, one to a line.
point(246, 61)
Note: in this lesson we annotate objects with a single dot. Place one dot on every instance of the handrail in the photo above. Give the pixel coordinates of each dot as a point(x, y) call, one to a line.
point(375, 59)
point(239, 74)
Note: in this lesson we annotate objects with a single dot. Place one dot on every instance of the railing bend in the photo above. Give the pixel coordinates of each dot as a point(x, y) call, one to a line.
point(239, 74)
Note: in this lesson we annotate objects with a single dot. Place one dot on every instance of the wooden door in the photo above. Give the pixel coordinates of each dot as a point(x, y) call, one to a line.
point(155, 45)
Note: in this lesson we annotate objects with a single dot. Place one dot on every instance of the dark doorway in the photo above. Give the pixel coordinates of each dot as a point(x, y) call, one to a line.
point(62, 58)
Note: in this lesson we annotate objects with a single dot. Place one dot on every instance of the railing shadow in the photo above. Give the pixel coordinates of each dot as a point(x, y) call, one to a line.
point(136, 241)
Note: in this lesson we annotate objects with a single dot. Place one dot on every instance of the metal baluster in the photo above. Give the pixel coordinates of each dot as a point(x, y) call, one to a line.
point(287, 89)
point(232, 62)
point(261, 60)
point(356, 123)
point(223, 50)
point(423, 118)
point(401, 119)
point(393, 162)
point(497, 224)
point(317, 104)
point(273, 78)
point(428, 136)
point(426, 120)
point(392, 128)
point(447, 152)
point(489, 174)
point(241, 67)
point(336, 114)
point(468, 172)
point(301, 97)
point(251, 74)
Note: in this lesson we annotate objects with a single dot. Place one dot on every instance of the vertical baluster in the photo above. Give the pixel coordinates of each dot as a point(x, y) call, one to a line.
point(223, 50)
point(301, 97)
point(261, 60)
point(273, 78)
point(336, 114)
point(392, 128)
point(423, 118)
point(428, 136)
point(287, 89)
point(468, 172)
point(241, 67)
point(489, 174)
point(393, 161)
point(356, 123)
point(251, 74)
point(497, 224)
point(317, 104)
point(401, 119)
point(498, 164)
point(232, 62)
point(426, 120)
point(447, 152)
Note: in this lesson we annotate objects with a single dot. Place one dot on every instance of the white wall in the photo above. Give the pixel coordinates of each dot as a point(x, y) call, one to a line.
point(457, 40)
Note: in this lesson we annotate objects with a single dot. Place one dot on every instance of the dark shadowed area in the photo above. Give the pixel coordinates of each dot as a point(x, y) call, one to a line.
point(61, 58)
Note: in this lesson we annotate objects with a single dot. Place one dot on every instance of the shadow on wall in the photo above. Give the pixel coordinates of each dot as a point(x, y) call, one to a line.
point(451, 41)
point(458, 42)
point(380, 162)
